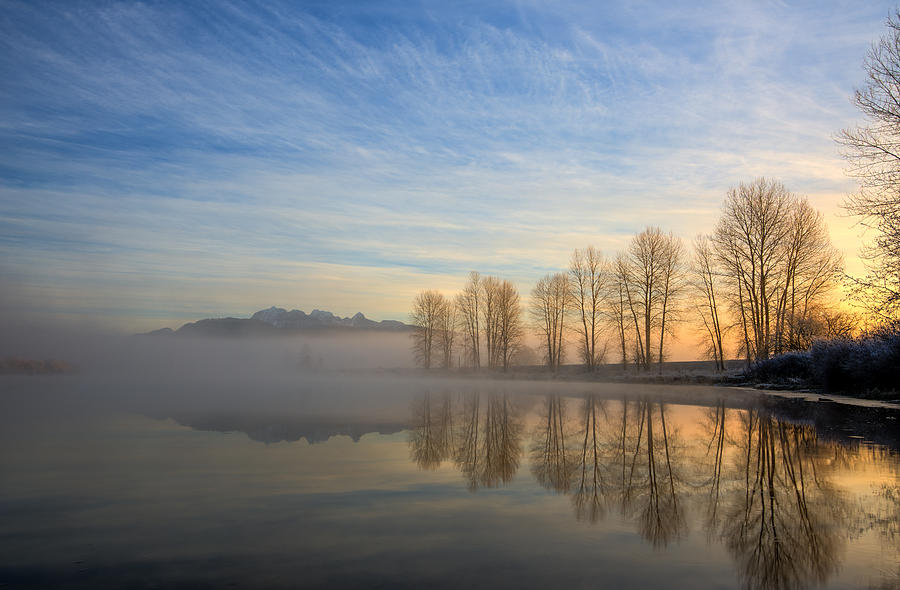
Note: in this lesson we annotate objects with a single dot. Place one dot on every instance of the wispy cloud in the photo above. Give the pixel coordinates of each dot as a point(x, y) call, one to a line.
point(169, 160)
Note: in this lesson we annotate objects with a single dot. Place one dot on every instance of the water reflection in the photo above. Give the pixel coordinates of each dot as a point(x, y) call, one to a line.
point(652, 490)
point(880, 512)
point(710, 465)
point(589, 495)
point(552, 458)
point(761, 486)
point(490, 443)
point(431, 434)
point(480, 433)
point(642, 492)
point(784, 519)
point(629, 460)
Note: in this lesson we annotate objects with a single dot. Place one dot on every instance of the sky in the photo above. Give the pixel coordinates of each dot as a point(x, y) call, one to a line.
point(162, 162)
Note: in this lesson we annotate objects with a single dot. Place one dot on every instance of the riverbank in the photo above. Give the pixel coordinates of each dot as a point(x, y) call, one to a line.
point(686, 372)
point(736, 376)
point(866, 367)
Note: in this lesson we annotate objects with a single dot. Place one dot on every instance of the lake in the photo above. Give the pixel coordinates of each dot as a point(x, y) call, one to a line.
point(359, 481)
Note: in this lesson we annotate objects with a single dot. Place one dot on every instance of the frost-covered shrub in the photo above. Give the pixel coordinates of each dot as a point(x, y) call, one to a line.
point(843, 365)
point(833, 363)
point(883, 363)
point(788, 368)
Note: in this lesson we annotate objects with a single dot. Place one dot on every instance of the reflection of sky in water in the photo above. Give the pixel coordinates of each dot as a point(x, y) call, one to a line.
point(123, 499)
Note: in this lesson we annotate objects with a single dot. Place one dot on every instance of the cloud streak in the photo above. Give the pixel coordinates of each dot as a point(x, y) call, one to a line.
point(171, 160)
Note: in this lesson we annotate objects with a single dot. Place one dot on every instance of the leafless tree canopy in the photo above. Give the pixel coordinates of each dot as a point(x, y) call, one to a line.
point(501, 321)
point(425, 316)
point(649, 280)
point(707, 296)
point(509, 318)
point(873, 152)
point(448, 319)
point(468, 305)
point(775, 248)
point(617, 308)
point(764, 276)
point(488, 311)
point(588, 275)
point(551, 300)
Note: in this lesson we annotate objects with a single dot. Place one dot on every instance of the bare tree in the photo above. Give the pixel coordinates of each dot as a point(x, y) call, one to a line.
point(626, 284)
point(488, 310)
point(509, 321)
point(490, 318)
point(650, 274)
point(839, 324)
point(873, 152)
point(811, 269)
point(671, 286)
point(618, 308)
point(777, 251)
point(446, 331)
point(550, 302)
point(749, 238)
point(468, 305)
point(588, 275)
point(706, 285)
point(427, 308)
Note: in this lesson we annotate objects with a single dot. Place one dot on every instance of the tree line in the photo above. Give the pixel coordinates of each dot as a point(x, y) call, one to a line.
point(760, 284)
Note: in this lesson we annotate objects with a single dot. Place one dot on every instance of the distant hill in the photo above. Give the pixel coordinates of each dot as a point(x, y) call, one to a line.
point(278, 321)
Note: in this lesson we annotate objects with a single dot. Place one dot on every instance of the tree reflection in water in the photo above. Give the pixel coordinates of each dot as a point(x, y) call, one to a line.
point(645, 486)
point(552, 459)
point(762, 484)
point(589, 495)
point(431, 435)
point(783, 522)
point(569, 458)
point(711, 465)
point(483, 440)
point(650, 489)
point(488, 450)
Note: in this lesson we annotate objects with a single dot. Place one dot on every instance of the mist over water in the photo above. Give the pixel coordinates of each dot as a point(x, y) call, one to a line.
point(174, 355)
point(209, 463)
point(540, 193)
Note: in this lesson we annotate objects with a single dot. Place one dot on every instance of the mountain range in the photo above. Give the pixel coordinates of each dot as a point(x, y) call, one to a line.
point(276, 320)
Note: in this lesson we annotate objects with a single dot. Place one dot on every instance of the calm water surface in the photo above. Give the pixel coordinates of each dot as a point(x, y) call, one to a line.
point(356, 483)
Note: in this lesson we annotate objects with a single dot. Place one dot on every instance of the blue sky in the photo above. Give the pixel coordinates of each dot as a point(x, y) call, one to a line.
point(167, 161)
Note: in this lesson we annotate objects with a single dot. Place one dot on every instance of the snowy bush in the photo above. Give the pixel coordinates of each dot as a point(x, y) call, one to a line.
point(787, 368)
point(844, 365)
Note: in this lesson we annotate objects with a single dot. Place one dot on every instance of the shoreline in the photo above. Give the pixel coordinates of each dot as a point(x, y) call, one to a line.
point(678, 376)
